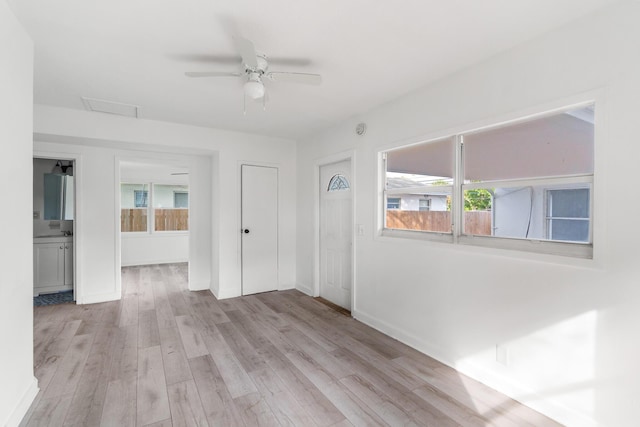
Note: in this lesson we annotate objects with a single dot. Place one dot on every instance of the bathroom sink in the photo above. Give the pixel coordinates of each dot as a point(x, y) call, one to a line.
point(53, 238)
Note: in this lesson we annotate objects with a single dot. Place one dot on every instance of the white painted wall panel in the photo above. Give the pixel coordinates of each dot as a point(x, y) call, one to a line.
point(154, 249)
point(19, 386)
point(457, 303)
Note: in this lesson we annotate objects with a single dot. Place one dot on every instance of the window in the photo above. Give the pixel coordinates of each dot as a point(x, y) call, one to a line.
point(140, 198)
point(422, 177)
point(338, 183)
point(502, 186)
point(393, 203)
point(180, 199)
point(164, 206)
point(568, 215)
point(168, 216)
point(133, 204)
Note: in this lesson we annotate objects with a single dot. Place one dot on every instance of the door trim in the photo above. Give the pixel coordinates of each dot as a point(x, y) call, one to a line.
point(335, 158)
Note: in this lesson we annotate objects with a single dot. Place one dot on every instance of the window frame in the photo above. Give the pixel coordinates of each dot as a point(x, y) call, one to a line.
point(145, 197)
point(548, 219)
point(150, 209)
point(426, 208)
point(174, 199)
point(399, 202)
point(457, 236)
point(135, 207)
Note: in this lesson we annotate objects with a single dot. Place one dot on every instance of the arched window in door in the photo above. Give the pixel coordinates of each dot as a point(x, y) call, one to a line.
point(338, 183)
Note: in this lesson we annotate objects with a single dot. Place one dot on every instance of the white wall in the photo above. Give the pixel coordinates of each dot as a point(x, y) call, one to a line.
point(569, 327)
point(214, 184)
point(155, 248)
point(19, 386)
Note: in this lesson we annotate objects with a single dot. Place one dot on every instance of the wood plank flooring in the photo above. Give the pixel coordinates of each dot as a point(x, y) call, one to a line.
point(164, 356)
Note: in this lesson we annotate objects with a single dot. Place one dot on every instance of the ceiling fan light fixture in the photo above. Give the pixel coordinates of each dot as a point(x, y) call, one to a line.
point(254, 89)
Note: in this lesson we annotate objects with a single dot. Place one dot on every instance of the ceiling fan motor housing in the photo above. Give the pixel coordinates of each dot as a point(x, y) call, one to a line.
point(262, 64)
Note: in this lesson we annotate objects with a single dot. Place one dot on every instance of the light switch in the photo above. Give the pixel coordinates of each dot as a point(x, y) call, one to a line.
point(360, 229)
point(36, 214)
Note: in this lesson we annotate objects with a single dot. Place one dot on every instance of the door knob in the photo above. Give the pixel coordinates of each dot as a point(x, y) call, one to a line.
point(246, 231)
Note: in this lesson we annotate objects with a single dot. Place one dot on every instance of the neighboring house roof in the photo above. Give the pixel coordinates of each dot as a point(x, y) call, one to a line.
point(409, 181)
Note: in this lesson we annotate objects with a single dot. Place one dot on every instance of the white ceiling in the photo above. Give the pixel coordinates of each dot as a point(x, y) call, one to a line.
point(153, 171)
point(368, 52)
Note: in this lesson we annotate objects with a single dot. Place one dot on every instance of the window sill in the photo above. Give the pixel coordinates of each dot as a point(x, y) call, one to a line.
point(523, 246)
point(157, 234)
point(575, 250)
point(417, 235)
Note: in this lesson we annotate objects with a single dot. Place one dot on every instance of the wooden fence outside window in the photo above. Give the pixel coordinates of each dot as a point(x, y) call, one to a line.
point(475, 222)
point(135, 220)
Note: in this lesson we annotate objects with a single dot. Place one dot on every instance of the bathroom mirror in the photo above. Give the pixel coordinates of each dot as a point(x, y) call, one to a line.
point(58, 196)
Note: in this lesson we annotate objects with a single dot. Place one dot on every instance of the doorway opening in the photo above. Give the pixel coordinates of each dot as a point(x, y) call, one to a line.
point(54, 216)
point(154, 201)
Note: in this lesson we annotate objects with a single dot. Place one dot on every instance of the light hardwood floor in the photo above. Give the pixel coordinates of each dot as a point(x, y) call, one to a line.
point(164, 356)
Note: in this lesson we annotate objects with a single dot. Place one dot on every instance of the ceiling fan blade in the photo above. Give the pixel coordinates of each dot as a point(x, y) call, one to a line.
point(211, 74)
point(207, 58)
point(247, 51)
point(305, 78)
point(288, 61)
point(236, 59)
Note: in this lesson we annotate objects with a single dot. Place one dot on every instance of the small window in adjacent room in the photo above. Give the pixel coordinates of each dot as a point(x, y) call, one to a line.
point(424, 204)
point(170, 207)
point(134, 199)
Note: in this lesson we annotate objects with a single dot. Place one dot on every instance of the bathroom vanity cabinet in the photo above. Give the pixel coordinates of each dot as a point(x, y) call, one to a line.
point(52, 264)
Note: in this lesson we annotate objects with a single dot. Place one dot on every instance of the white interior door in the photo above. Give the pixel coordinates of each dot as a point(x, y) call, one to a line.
point(259, 229)
point(336, 233)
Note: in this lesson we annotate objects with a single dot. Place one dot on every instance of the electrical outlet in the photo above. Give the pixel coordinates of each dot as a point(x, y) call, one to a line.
point(502, 354)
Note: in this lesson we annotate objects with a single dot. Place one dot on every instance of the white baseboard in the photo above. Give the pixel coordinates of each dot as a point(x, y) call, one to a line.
point(304, 289)
point(405, 338)
point(134, 263)
point(204, 285)
point(526, 396)
point(560, 413)
point(228, 293)
point(97, 298)
point(23, 406)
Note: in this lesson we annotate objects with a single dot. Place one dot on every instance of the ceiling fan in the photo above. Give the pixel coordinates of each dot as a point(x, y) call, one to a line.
point(255, 68)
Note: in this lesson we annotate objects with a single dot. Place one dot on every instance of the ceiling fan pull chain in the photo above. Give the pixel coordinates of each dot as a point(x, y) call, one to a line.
point(244, 104)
